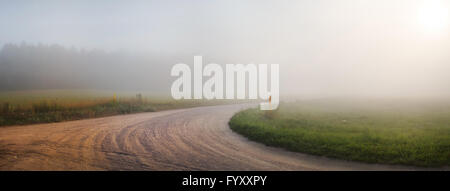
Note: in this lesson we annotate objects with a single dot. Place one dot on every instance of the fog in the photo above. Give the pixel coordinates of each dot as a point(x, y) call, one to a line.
point(324, 47)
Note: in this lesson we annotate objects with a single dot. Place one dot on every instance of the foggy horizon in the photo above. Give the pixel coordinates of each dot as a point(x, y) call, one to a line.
point(324, 48)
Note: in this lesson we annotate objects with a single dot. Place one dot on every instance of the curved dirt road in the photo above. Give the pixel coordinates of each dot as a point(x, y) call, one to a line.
point(185, 139)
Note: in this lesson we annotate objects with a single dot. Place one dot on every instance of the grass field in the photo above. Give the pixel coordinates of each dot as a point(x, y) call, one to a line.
point(31, 107)
point(390, 132)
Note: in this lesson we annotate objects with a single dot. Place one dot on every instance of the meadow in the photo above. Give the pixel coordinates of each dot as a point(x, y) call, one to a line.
point(46, 106)
point(404, 132)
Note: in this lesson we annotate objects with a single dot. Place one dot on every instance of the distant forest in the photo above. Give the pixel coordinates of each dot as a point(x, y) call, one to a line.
point(24, 67)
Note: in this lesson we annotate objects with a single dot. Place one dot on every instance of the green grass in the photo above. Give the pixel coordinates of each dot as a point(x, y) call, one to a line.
point(31, 107)
point(406, 133)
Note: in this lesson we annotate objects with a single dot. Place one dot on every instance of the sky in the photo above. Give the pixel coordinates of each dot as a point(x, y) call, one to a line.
point(324, 47)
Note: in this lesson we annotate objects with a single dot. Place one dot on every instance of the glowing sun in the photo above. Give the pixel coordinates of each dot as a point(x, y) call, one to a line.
point(433, 16)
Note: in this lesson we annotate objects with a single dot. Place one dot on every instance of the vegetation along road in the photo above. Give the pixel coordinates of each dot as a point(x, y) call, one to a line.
point(183, 139)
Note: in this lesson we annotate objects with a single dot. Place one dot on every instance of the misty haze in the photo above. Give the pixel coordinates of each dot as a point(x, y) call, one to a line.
point(349, 48)
point(86, 85)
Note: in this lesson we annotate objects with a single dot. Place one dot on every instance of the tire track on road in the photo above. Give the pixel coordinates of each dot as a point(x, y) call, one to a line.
point(184, 139)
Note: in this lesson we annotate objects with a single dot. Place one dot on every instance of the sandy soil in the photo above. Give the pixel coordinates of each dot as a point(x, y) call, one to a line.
point(185, 139)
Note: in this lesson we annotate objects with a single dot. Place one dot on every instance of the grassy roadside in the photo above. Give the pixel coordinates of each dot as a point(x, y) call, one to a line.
point(21, 108)
point(380, 133)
